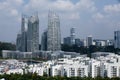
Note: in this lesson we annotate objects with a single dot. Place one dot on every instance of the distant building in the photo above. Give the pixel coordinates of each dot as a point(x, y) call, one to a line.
point(44, 41)
point(72, 35)
point(89, 41)
point(53, 35)
point(83, 42)
point(110, 42)
point(99, 42)
point(71, 39)
point(19, 42)
point(78, 42)
point(28, 39)
point(98, 54)
point(117, 39)
point(67, 40)
point(33, 34)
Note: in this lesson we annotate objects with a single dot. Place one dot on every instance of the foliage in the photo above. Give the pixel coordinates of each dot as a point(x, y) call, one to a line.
point(91, 49)
point(6, 46)
point(34, 76)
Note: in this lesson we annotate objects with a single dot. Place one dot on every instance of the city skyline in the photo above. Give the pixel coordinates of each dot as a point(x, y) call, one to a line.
point(90, 17)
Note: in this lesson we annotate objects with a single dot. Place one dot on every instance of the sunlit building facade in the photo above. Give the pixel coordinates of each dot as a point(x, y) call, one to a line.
point(53, 35)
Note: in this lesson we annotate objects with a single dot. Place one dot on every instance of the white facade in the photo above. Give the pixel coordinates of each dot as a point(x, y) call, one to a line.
point(19, 71)
point(113, 70)
point(94, 68)
point(37, 69)
point(76, 70)
point(104, 66)
point(70, 70)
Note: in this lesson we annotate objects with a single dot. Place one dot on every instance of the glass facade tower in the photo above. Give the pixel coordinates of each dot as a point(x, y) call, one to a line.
point(53, 35)
point(117, 39)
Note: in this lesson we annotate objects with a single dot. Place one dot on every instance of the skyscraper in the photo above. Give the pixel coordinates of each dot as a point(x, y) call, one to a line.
point(18, 42)
point(117, 39)
point(67, 40)
point(21, 41)
point(53, 35)
point(44, 41)
point(28, 40)
point(24, 27)
point(89, 41)
point(33, 34)
point(72, 35)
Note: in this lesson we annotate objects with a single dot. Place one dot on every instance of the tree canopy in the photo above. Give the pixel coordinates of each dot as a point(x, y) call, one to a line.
point(34, 76)
point(6, 46)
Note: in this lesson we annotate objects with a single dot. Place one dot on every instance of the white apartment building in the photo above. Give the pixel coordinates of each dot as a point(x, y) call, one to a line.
point(13, 71)
point(113, 70)
point(94, 68)
point(57, 70)
point(75, 70)
point(102, 65)
point(38, 70)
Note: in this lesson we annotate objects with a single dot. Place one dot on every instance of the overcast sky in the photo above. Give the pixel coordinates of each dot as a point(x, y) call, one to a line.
point(98, 18)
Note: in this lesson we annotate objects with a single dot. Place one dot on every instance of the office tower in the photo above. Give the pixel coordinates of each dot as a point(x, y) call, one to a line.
point(72, 35)
point(18, 42)
point(67, 40)
point(33, 34)
point(53, 35)
point(89, 41)
point(21, 41)
point(78, 42)
point(24, 28)
point(44, 41)
point(117, 39)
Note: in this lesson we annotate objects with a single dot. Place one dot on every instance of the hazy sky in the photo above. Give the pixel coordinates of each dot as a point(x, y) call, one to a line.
point(98, 18)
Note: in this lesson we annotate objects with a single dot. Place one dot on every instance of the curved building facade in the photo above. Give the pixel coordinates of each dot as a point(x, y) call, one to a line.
point(53, 35)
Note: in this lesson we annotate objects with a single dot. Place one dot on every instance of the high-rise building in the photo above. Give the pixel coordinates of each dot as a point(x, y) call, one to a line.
point(72, 35)
point(33, 34)
point(67, 40)
point(18, 42)
point(24, 27)
point(28, 40)
point(117, 39)
point(89, 41)
point(78, 42)
point(44, 41)
point(21, 41)
point(70, 40)
point(53, 35)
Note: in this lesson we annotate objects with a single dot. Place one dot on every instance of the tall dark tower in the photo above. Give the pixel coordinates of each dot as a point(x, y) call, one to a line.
point(117, 39)
point(44, 41)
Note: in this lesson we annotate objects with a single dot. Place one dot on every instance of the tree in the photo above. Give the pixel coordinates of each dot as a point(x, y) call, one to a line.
point(6, 46)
